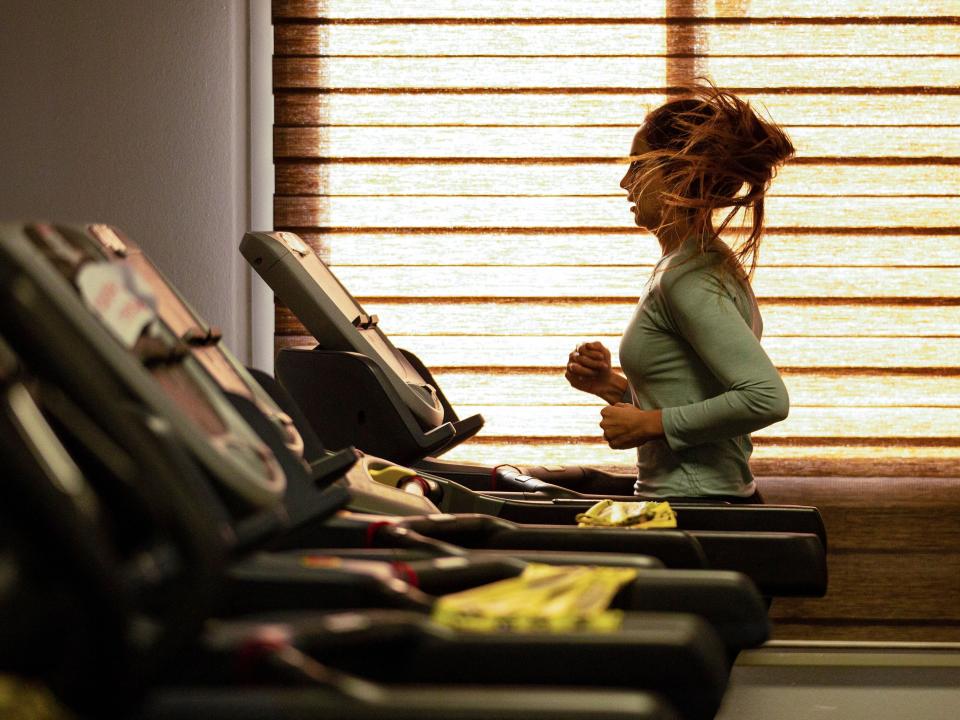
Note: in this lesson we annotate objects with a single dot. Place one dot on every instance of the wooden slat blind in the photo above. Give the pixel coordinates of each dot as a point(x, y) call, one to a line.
point(458, 164)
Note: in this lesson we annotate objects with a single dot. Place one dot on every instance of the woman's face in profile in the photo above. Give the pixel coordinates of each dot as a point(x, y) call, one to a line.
point(643, 184)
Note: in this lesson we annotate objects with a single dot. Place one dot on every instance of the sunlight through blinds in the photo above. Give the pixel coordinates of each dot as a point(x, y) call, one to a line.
point(458, 162)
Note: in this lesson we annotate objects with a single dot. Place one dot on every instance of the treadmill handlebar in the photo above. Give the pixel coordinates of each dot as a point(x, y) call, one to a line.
point(332, 466)
point(396, 536)
point(513, 478)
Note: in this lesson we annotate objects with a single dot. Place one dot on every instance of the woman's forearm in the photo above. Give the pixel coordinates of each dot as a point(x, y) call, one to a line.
point(616, 387)
point(736, 412)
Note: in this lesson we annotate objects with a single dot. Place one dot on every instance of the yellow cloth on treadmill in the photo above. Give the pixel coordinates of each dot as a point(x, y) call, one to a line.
point(391, 475)
point(640, 515)
point(23, 700)
point(544, 598)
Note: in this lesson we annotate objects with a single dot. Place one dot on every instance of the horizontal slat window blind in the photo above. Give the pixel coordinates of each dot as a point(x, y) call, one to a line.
point(457, 162)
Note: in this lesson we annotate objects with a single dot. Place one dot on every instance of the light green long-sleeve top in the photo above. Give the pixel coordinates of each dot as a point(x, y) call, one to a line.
point(693, 350)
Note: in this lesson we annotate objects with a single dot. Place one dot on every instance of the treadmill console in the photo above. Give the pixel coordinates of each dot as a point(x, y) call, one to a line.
point(334, 317)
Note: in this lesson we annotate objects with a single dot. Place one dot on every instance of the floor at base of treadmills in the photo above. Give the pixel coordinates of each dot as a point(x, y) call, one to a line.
point(846, 681)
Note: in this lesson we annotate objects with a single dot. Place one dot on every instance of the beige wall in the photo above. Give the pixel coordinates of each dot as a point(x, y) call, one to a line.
point(135, 113)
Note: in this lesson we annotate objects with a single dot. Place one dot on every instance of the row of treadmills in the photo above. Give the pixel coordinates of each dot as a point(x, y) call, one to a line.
point(181, 537)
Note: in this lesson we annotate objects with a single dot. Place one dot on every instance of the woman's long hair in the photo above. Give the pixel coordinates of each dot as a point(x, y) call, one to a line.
point(714, 152)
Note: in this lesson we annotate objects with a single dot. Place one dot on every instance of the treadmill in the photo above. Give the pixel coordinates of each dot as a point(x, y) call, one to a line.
point(357, 388)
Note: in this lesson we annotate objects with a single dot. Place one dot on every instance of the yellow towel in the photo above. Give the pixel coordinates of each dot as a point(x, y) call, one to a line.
point(23, 700)
point(544, 598)
point(391, 475)
point(640, 515)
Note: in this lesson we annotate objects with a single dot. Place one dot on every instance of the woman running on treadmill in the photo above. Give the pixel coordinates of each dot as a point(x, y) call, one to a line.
point(697, 380)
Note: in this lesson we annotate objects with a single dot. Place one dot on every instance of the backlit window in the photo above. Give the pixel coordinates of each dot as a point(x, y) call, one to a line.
point(458, 164)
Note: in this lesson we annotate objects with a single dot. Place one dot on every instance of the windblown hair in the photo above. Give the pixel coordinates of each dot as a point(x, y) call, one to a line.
point(714, 152)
